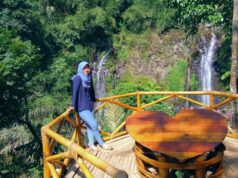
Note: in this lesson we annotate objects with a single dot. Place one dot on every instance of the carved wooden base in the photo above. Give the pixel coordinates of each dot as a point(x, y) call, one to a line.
point(155, 165)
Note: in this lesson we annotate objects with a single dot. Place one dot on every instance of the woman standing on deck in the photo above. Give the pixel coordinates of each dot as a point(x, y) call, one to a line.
point(82, 101)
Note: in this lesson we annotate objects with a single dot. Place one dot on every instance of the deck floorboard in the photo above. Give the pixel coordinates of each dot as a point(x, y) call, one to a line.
point(122, 157)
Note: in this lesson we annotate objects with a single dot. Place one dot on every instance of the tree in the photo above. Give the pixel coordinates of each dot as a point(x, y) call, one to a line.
point(190, 13)
point(148, 15)
point(18, 62)
point(233, 77)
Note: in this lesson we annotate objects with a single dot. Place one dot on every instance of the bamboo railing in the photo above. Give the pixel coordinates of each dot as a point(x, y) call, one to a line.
point(55, 163)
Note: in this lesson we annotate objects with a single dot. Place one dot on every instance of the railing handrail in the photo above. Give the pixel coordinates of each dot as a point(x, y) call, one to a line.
point(220, 93)
point(78, 153)
point(75, 151)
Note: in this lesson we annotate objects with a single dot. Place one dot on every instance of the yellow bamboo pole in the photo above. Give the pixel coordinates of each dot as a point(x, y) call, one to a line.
point(46, 152)
point(192, 101)
point(104, 133)
point(117, 96)
point(138, 101)
point(58, 119)
point(75, 148)
point(74, 135)
point(53, 170)
point(115, 136)
point(227, 94)
point(84, 168)
point(57, 156)
point(212, 103)
point(224, 102)
point(174, 92)
point(100, 107)
point(122, 105)
point(157, 101)
point(216, 93)
point(47, 146)
point(78, 129)
point(52, 143)
point(61, 164)
point(67, 159)
point(118, 128)
point(67, 118)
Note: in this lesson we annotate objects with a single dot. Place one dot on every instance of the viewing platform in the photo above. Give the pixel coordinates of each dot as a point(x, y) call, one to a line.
point(122, 157)
point(66, 156)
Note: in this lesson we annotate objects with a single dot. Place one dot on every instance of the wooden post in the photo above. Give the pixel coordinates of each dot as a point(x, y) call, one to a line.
point(52, 143)
point(212, 103)
point(46, 152)
point(200, 173)
point(78, 129)
point(140, 163)
point(162, 171)
point(118, 128)
point(53, 170)
point(138, 101)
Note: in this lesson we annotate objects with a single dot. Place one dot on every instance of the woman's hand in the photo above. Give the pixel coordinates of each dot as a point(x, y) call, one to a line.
point(70, 108)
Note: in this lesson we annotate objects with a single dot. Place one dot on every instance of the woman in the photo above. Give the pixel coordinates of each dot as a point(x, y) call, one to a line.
point(82, 101)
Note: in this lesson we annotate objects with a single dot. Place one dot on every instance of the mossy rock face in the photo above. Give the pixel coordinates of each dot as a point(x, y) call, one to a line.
point(205, 30)
point(153, 54)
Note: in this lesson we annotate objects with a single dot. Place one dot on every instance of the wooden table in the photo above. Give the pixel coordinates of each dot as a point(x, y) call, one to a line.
point(190, 133)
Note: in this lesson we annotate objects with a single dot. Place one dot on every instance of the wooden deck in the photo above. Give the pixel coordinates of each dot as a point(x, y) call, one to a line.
point(122, 157)
point(231, 158)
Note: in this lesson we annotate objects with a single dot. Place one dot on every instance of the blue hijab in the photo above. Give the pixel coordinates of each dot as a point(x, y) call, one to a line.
point(86, 79)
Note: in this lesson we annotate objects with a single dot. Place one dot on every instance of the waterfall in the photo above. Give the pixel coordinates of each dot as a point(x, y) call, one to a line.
point(100, 76)
point(207, 51)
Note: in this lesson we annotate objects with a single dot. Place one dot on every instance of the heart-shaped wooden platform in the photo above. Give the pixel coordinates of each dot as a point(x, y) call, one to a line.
point(190, 133)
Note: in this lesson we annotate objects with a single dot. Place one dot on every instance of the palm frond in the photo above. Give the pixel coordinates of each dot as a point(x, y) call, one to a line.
point(14, 137)
point(113, 116)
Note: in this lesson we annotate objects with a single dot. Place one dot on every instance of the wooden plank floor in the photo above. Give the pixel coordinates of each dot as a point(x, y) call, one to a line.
point(230, 162)
point(122, 157)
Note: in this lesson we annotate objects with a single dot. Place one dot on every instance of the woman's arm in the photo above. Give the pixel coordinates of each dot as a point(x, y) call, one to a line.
point(76, 85)
point(92, 92)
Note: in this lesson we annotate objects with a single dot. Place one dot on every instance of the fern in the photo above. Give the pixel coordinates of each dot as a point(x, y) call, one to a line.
point(111, 117)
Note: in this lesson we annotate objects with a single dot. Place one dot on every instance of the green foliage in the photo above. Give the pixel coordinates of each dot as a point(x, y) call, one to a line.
point(112, 117)
point(130, 84)
point(18, 137)
point(183, 173)
point(175, 81)
point(18, 60)
point(225, 75)
point(16, 144)
point(176, 78)
point(223, 62)
point(90, 26)
point(21, 17)
point(190, 13)
point(126, 41)
point(42, 41)
point(147, 15)
point(194, 85)
point(53, 87)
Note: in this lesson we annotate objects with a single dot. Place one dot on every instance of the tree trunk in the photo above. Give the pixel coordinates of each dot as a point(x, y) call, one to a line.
point(233, 79)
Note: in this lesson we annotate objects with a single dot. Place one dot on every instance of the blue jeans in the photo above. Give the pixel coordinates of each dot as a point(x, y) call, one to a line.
point(92, 127)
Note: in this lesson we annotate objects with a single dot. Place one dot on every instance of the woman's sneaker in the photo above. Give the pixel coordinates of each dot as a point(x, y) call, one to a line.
point(106, 146)
point(93, 148)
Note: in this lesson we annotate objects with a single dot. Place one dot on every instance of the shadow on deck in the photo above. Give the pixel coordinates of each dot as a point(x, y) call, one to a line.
point(122, 157)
